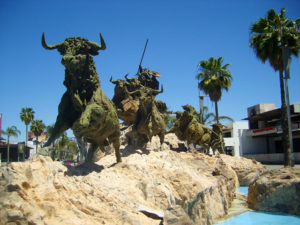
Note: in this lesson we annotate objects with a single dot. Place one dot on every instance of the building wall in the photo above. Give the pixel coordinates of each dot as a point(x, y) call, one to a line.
point(274, 158)
point(238, 139)
point(243, 142)
point(253, 145)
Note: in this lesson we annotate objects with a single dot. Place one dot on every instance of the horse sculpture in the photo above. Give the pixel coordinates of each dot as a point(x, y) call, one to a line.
point(84, 107)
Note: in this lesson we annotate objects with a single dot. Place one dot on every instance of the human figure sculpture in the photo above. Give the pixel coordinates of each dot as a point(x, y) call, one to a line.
point(127, 103)
point(84, 107)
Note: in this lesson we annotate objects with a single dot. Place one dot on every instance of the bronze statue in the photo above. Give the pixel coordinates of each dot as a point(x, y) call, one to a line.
point(84, 107)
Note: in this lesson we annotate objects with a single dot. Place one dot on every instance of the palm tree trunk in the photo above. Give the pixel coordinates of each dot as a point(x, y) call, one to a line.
point(7, 149)
point(36, 144)
point(284, 124)
point(25, 143)
point(217, 112)
point(219, 132)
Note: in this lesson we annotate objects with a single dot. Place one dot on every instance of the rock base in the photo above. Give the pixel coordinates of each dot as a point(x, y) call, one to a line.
point(276, 191)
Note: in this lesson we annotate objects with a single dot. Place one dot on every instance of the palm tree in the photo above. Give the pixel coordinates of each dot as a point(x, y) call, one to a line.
point(62, 143)
point(26, 115)
point(37, 127)
point(10, 132)
point(205, 117)
point(213, 78)
point(269, 36)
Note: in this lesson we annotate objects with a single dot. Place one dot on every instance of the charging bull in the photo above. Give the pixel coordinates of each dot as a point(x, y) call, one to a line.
point(188, 129)
point(148, 120)
point(84, 107)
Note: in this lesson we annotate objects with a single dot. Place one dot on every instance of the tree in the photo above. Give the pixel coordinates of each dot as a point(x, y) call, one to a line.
point(10, 132)
point(37, 127)
point(26, 115)
point(213, 78)
point(269, 36)
point(207, 118)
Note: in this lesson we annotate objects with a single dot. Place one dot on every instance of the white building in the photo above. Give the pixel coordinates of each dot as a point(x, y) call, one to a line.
point(235, 137)
point(260, 137)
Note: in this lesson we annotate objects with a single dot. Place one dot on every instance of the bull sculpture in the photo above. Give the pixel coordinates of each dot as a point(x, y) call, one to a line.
point(84, 107)
point(127, 105)
point(148, 120)
point(188, 129)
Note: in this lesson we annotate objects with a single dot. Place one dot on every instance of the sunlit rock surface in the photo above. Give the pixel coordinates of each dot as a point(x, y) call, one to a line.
point(247, 170)
point(148, 187)
point(276, 191)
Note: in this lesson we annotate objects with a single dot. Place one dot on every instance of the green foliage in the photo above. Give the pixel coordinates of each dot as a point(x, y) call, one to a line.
point(37, 127)
point(27, 115)
point(49, 130)
point(271, 33)
point(270, 36)
point(206, 117)
point(11, 132)
point(213, 78)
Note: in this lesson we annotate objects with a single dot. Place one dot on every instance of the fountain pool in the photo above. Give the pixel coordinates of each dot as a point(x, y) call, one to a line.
point(260, 218)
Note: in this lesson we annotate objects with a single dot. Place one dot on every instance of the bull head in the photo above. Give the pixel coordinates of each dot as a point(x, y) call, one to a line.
point(118, 81)
point(95, 45)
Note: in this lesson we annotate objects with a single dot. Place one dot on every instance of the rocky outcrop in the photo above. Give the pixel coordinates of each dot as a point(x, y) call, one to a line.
point(148, 187)
point(247, 170)
point(276, 191)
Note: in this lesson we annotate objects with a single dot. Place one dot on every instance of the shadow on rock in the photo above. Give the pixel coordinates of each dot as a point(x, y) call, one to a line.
point(130, 149)
point(83, 169)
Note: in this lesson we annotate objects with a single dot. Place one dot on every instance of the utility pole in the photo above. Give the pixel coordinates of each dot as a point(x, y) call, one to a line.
point(201, 99)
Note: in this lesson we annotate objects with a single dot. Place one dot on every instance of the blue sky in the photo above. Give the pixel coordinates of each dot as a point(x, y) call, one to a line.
point(181, 33)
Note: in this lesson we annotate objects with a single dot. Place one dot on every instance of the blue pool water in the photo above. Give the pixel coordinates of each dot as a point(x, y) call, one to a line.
point(260, 218)
point(242, 190)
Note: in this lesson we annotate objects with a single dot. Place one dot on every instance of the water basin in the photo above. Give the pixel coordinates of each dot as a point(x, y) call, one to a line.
point(260, 218)
point(243, 190)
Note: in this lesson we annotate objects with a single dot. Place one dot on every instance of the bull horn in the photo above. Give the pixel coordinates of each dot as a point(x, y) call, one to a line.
point(49, 47)
point(155, 92)
point(112, 81)
point(102, 46)
point(130, 92)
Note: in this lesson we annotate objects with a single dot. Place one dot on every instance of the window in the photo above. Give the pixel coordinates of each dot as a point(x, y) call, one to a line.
point(227, 134)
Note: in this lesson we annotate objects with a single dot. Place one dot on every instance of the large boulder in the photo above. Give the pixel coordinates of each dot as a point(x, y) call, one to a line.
point(247, 170)
point(276, 191)
point(148, 187)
